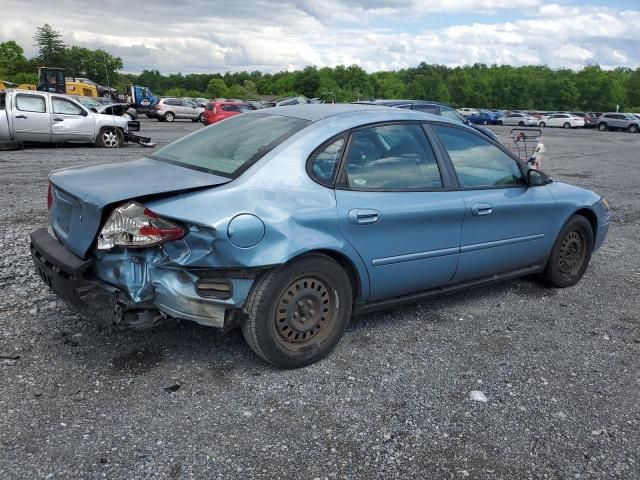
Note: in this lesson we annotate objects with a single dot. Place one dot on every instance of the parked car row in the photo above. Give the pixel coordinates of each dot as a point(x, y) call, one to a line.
point(541, 119)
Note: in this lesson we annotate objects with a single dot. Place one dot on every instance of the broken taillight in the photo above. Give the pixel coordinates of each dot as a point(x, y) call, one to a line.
point(134, 226)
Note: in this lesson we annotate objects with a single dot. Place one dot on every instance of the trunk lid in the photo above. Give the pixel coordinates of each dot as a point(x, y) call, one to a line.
point(82, 194)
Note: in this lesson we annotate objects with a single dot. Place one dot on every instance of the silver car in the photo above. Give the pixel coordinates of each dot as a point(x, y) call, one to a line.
point(618, 121)
point(170, 109)
point(33, 116)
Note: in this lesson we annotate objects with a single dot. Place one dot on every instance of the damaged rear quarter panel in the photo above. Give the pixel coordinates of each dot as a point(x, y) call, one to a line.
point(299, 215)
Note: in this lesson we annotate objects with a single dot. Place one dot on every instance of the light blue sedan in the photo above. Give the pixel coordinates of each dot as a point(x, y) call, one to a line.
point(286, 222)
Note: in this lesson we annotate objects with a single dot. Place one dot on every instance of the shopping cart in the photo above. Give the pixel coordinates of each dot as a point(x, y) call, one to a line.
point(527, 144)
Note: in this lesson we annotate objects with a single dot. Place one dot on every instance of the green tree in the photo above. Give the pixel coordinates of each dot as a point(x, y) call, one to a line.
point(11, 58)
point(216, 88)
point(307, 82)
point(50, 45)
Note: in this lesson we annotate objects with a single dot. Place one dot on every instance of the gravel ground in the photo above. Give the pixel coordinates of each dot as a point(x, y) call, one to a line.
point(511, 381)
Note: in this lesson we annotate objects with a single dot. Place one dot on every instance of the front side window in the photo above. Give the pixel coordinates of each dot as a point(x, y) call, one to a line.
point(230, 147)
point(31, 103)
point(477, 162)
point(392, 157)
point(451, 114)
point(324, 163)
point(65, 107)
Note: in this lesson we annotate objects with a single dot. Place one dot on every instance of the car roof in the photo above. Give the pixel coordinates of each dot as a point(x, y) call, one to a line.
point(314, 112)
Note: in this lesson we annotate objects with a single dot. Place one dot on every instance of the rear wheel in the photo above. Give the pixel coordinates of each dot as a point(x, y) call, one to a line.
point(566, 125)
point(169, 117)
point(500, 122)
point(571, 253)
point(197, 119)
point(110, 137)
point(485, 122)
point(602, 127)
point(297, 313)
point(542, 125)
point(633, 128)
point(521, 123)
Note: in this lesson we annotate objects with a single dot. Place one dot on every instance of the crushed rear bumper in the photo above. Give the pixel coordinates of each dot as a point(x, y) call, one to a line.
point(65, 274)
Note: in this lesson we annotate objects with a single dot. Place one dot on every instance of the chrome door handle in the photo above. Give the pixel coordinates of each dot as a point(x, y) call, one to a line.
point(480, 209)
point(363, 216)
point(21, 116)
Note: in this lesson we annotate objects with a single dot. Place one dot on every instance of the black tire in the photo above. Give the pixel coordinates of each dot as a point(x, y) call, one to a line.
point(542, 125)
point(169, 117)
point(571, 254)
point(198, 119)
point(485, 122)
point(110, 137)
point(566, 125)
point(602, 127)
point(298, 312)
point(633, 128)
point(500, 122)
point(521, 123)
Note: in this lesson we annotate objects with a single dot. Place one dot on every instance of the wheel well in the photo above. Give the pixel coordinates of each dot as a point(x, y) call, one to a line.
point(593, 219)
point(346, 264)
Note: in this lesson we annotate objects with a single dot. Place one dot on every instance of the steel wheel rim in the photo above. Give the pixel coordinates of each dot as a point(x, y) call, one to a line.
point(305, 312)
point(169, 117)
point(572, 253)
point(109, 138)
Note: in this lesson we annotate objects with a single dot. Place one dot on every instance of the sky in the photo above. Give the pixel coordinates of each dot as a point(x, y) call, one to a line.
point(193, 36)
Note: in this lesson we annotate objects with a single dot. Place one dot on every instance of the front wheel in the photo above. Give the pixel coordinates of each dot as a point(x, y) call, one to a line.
point(110, 137)
point(566, 125)
point(633, 128)
point(521, 123)
point(602, 127)
point(500, 122)
point(542, 125)
point(571, 253)
point(297, 313)
point(169, 117)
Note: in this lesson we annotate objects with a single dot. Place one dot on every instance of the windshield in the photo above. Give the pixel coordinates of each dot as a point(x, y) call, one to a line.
point(231, 146)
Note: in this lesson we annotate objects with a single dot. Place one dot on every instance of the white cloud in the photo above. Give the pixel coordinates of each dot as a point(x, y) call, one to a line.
point(204, 36)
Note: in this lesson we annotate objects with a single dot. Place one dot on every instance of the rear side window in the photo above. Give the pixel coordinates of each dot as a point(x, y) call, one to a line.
point(477, 162)
point(30, 103)
point(426, 108)
point(324, 163)
point(232, 108)
point(228, 148)
point(391, 157)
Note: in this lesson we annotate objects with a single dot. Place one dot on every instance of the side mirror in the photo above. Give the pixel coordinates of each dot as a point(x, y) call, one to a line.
point(536, 178)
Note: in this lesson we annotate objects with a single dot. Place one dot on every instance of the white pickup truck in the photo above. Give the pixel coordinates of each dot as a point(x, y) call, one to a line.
point(33, 116)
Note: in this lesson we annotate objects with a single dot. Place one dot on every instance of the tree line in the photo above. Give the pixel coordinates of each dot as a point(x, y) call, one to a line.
point(479, 85)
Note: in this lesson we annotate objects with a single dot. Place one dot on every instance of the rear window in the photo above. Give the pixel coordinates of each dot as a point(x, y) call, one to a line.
point(229, 147)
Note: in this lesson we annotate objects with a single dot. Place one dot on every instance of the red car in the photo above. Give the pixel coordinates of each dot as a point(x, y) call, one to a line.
point(216, 111)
